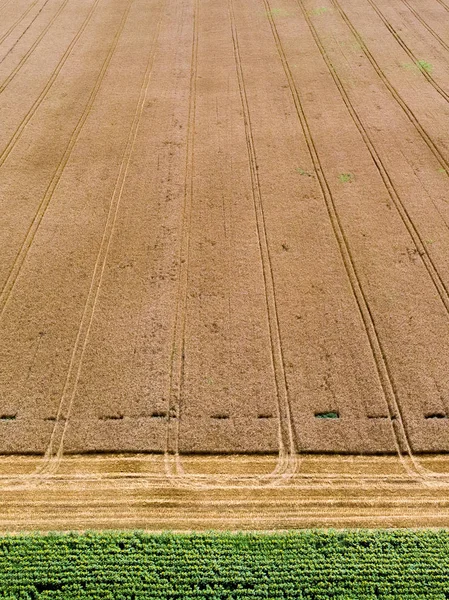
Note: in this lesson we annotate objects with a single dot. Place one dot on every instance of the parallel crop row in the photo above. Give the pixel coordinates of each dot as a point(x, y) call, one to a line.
point(312, 565)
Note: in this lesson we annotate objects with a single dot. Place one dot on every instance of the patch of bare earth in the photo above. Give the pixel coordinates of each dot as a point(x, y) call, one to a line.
point(224, 275)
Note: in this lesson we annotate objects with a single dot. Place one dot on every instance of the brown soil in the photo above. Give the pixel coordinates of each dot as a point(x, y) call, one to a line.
point(224, 229)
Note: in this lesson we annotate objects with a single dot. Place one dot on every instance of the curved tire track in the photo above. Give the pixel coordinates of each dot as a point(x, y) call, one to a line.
point(399, 432)
point(54, 451)
point(172, 460)
point(287, 451)
point(426, 138)
point(286, 463)
point(394, 195)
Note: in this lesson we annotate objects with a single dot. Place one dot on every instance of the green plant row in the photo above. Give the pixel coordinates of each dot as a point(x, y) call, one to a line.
point(316, 565)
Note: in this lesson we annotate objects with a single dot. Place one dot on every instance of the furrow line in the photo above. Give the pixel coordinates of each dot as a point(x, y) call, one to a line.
point(26, 56)
point(54, 451)
point(385, 378)
point(22, 254)
point(14, 25)
point(20, 129)
point(410, 53)
point(411, 116)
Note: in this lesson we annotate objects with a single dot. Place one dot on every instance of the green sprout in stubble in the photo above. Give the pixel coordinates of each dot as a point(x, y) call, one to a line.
point(419, 65)
point(302, 172)
point(346, 177)
point(442, 170)
point(277, 12)
point(424, 66)
point(318, 11)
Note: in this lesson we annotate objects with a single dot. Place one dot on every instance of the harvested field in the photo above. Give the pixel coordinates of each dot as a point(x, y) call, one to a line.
point(224, 232)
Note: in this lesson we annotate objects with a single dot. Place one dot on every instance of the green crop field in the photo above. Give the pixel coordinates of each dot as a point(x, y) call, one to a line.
point(357, 565)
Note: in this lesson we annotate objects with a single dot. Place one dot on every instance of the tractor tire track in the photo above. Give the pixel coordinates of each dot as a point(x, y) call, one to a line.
point(408, 51)
point(26, 56)
point(287, 456)
point(22, 254)
point(445, 6)
point(426, 25)
point(176, 379)
point(397, 425)
point(20, 129)
point(412, 118)
point(287, 450)
point(54, 451)
point(14, 25)
point(24, 31)
point(442, 160)
point(388, 183)
point(5, 4)
point(418, 241)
